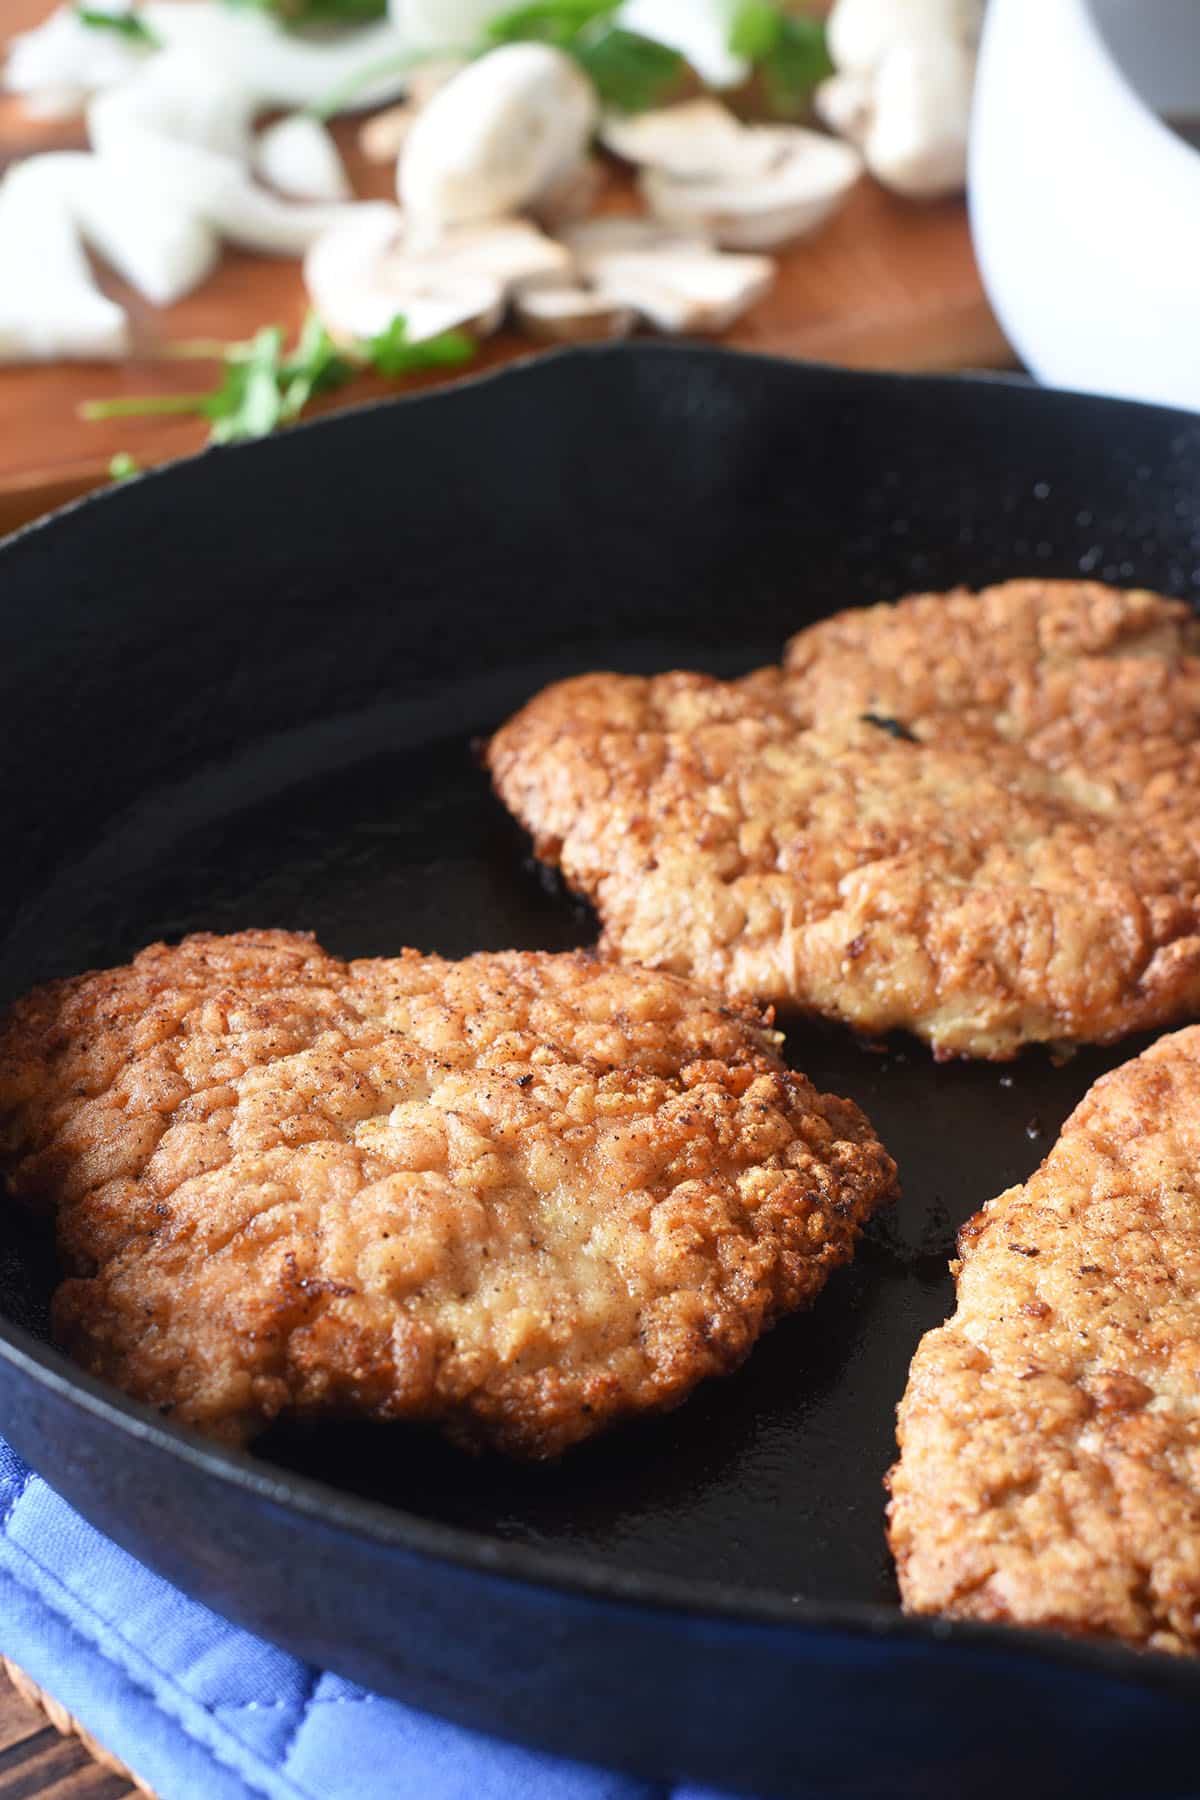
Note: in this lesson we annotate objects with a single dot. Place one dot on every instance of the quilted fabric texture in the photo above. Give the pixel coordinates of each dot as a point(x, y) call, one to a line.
point(203, 1711)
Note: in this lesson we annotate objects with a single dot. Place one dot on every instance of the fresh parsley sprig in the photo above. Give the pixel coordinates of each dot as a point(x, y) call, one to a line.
point(318, 12)
point(262, 386)
point(129, 25)
point(629, 71)
point(788, 49)
point(632, 72)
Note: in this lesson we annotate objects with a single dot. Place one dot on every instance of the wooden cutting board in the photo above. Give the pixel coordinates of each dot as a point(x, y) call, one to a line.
point(887, 284)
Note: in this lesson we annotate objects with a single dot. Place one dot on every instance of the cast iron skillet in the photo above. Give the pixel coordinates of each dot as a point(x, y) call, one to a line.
point(245, 692)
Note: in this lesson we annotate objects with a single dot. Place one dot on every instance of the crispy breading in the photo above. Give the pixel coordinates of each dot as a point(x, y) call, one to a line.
point(974, 816)
point(1049, 1472)
point(520, 1196)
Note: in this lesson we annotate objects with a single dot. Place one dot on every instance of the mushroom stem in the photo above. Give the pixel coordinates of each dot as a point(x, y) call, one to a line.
point(902, 93)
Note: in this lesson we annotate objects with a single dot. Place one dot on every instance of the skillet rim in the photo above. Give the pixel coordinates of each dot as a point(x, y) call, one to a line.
point(392, 1527)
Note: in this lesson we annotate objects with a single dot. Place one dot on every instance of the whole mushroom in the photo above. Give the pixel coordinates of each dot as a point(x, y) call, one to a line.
point(861, 33)
point(902, 91)
point(509, 128)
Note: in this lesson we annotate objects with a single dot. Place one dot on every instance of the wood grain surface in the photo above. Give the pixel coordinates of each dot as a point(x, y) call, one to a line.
point(37, 1759)
point(887, 284)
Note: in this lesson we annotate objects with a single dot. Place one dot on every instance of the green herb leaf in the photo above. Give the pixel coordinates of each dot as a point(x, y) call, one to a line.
point(556, 22)
point(630, 72)
point(756, 29)
point(390, 352)
point(790, 51)
point(317, 12)
point(128, 25)
point(262, 388)
point(123, 465)
point(138, 406)
point(316, 367)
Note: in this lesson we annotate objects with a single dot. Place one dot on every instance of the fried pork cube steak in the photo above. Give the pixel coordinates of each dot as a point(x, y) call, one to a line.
point(519, 1196)
point(1049, 1470)
point(975, 816)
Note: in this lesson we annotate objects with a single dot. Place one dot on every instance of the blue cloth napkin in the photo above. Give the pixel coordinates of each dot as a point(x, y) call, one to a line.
point(203, 1711)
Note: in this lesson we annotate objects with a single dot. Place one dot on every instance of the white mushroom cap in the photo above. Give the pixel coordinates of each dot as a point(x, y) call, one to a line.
point(514, 251)
point(495, 137)
point(572, 315)
point(860, 33)
point(916, 142)
point(807, 176)
point(676, 281)
point(370, 267)
point(692, 138)
point(358, 279)
point(299, 159)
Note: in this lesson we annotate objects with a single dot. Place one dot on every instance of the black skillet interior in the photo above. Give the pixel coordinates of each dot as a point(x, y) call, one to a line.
point(246, 692)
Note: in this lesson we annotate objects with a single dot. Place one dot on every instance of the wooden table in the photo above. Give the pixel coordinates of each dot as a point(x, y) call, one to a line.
point(37, 1758)
point(887, 284)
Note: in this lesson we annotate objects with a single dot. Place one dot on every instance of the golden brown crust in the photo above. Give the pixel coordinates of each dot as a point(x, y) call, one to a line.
point(520, 1195)
point(1049, 1472)
point(1010, 853)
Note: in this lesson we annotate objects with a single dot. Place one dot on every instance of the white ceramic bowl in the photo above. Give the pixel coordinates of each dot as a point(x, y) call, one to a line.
point(1085, 206)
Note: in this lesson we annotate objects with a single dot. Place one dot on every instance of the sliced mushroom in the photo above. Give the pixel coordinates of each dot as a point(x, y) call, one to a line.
point(299, 159)
point(371, 267)
point(359, 279)
point(676, 281)
point(692, 138)
point(806, 177)
point(513, 251)
point(572, 315)
point(497, 136)
point(50, 305)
